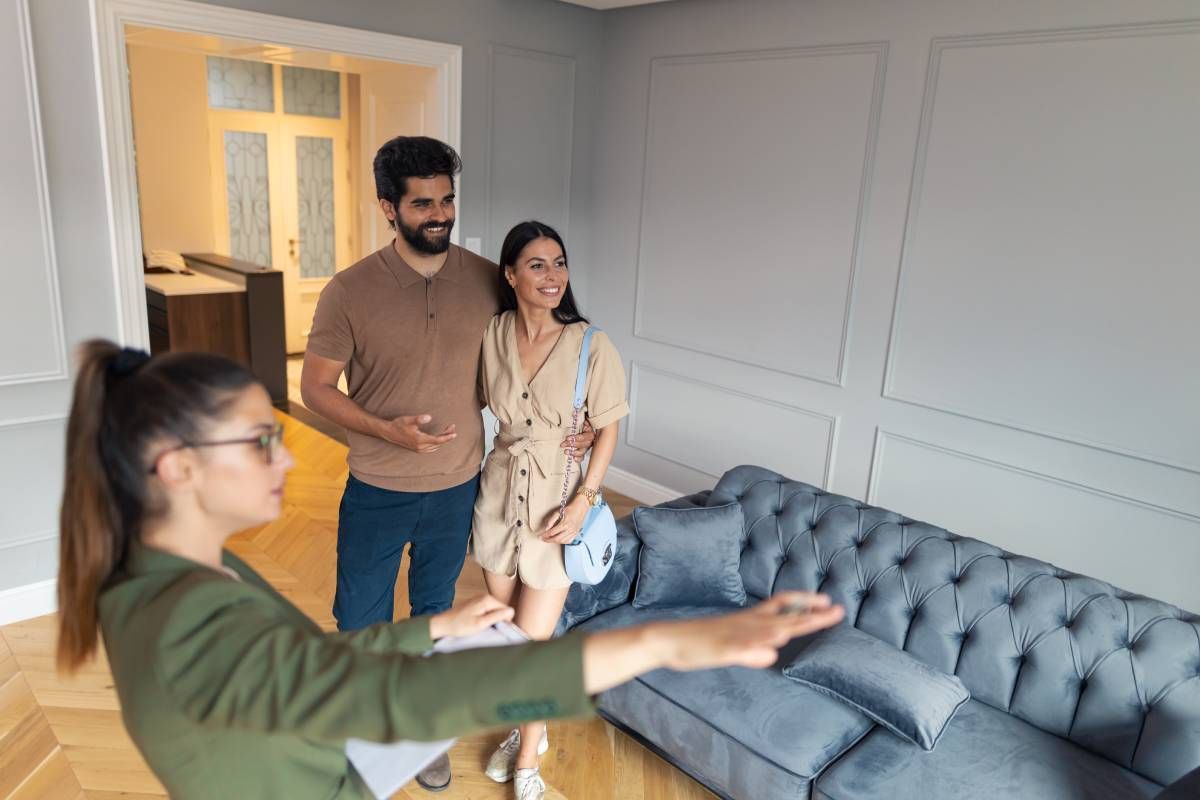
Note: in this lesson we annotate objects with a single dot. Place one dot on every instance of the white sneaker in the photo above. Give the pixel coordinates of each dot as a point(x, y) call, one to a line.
point(528, 785)
point(500, 765)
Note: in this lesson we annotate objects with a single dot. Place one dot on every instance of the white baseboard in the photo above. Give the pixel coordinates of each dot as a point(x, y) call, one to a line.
point(640, 489)
point(26, 602)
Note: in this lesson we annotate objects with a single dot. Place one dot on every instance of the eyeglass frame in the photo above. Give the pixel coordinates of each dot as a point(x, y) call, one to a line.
point(266, 442)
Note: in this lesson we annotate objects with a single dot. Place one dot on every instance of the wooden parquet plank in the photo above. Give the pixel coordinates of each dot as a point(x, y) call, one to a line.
point(82, 750)
point(53, 779)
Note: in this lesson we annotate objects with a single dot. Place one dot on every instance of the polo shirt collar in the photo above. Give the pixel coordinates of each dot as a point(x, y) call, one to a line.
point(406, 276)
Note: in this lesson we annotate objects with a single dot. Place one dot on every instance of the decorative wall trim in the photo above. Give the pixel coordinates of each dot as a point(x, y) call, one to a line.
point(26, 421)
point(27, 602)
point(109, 18)
point(882, 437)
point(833, 422)
point(645, 491)
point(880, 50)
point(940, 45)
point(50, 262)
point(32, 538)
point(533, 55)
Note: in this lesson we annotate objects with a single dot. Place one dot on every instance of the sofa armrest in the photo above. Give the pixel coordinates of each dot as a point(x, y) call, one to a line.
point(585, 602)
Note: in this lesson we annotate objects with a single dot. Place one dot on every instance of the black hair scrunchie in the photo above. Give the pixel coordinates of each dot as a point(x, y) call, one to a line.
point(127, 362)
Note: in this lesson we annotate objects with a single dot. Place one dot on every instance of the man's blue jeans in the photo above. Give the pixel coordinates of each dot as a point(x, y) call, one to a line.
point(374, 525)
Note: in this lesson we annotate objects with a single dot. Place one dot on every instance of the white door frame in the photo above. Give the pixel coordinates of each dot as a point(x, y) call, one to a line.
point(109, 18)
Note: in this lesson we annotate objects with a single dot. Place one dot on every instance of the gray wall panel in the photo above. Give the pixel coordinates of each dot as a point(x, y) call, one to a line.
point(533, 111)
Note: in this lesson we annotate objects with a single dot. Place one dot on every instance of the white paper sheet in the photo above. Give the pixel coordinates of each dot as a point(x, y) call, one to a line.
point(386, 768)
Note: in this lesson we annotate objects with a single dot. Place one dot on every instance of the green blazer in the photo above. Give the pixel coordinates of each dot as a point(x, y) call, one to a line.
point(230, 691)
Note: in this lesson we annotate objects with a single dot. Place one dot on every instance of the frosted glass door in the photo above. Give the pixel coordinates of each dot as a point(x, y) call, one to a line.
point(248, 195)
point(315, 206)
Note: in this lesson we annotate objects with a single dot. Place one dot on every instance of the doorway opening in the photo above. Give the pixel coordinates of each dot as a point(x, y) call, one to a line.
point(240, 169)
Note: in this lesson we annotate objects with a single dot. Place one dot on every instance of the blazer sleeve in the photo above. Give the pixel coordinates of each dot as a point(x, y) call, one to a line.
point(409, 636)
point(228, 660)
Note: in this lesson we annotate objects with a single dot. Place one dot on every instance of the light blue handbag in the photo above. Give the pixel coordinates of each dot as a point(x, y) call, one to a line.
point(590, 556)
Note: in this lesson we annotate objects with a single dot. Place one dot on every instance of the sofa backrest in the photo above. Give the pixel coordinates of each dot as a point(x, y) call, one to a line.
point(1116, 673)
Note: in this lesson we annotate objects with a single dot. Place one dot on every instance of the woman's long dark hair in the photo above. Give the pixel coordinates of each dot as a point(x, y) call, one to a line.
point(124, 403)
point(521, 235)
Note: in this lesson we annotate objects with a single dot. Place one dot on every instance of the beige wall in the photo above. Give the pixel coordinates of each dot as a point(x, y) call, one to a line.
point(170, 124)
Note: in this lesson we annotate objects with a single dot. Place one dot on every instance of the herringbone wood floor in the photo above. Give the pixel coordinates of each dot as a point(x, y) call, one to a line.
point(62, 739)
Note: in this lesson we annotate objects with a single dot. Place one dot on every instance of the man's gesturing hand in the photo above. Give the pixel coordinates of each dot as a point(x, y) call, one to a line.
point(406, 432)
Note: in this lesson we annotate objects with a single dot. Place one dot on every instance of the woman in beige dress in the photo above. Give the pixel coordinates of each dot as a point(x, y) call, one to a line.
point(527, 378)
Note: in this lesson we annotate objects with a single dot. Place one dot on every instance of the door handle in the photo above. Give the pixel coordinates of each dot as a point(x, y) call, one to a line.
point(292, 246)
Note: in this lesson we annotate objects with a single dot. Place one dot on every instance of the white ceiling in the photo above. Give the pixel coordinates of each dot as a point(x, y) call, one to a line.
point(604, 5)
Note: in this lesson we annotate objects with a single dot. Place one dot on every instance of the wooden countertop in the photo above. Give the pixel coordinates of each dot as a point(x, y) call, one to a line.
point(197, 283)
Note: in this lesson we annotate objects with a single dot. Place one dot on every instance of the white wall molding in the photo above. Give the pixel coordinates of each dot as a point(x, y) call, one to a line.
point(60, 369)
point(109, 18)
point(938, 47)
point(880, 51)
point(24, 421)
point(27, 602)
point(882, 437)
point(831, 423)
point(645, 491)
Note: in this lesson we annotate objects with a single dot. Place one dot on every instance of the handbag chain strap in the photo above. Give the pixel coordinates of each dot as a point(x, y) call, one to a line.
point(580, 386)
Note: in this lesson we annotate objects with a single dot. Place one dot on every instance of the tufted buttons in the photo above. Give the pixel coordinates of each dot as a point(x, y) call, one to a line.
point(1083, 685)
point(910, 612)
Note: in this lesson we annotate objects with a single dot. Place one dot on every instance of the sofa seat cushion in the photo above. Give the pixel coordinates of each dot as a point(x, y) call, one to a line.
point(984, 753)
point(743, 732)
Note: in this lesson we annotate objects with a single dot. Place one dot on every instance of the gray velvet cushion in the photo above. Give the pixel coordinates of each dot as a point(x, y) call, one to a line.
point(690, 556)
point(749, 734)
point(985, 754)
point(907, 697)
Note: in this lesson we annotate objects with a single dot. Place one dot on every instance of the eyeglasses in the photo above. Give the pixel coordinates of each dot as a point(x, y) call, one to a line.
point(266, 443)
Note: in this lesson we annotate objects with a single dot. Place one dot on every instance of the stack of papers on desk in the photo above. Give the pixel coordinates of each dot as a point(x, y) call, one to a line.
point(386, 768)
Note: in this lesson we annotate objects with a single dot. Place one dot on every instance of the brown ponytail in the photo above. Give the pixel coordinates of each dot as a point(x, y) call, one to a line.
point(123, 403)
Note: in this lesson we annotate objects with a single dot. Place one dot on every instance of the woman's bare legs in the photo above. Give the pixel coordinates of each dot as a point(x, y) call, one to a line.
point(538, 611)
point(501, 587)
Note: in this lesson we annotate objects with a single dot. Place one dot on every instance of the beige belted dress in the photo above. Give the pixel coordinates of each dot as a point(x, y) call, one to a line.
point(522, 477)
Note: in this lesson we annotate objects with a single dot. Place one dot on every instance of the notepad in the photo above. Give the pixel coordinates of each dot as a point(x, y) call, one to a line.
point(387, 768)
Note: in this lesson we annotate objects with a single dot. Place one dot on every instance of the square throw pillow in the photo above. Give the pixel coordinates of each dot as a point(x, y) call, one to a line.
point(690, 556)
point(908, 697)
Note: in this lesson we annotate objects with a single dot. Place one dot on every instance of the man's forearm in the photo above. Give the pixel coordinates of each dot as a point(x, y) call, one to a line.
point(333, 405)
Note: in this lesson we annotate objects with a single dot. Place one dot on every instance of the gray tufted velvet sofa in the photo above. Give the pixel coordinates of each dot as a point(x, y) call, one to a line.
point(1078, 689)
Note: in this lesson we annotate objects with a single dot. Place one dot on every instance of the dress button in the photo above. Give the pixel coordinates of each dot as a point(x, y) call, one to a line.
point(522, 473)
point(524, 395)
point(431, 316)
point(529, 422)
point(520, 499)
point(519, 523)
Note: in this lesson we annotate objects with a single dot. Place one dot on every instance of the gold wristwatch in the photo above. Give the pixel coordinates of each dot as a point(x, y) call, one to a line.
point(594, 498)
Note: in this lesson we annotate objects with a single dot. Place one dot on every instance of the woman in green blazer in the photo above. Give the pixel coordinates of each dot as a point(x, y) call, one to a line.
point(227, 689)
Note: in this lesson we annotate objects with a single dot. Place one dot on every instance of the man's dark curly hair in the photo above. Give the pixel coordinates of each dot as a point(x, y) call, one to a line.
point(412, 157)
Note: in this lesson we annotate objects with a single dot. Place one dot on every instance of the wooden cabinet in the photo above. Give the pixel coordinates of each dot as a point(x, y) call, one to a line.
point(227, 307)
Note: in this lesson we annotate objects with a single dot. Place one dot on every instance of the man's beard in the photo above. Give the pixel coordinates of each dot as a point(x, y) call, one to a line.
point(421, 241)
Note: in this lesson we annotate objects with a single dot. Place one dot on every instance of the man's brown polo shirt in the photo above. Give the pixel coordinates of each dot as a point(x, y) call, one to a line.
point(411, 346)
